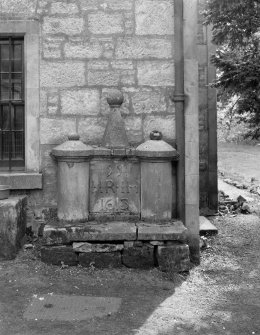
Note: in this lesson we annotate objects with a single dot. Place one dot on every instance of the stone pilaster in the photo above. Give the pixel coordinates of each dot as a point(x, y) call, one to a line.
point(191, 127)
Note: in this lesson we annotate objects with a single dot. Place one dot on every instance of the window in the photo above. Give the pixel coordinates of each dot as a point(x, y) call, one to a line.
point(12, 148)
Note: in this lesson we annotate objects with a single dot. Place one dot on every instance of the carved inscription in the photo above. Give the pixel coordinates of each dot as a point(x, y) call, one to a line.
point(114, 187)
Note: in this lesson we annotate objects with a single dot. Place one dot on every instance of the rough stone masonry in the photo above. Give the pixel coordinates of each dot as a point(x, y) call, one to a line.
point(87, 48)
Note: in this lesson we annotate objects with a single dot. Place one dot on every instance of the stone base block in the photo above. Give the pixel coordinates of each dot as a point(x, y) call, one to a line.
point(101, 260)
point(59, 254)
point(12, 225)
point(173, 258)
point(139, 257)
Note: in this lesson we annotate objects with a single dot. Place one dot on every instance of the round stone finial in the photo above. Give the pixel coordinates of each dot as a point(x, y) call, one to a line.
point(73, 137)
point(115, 98)
point(156, 135)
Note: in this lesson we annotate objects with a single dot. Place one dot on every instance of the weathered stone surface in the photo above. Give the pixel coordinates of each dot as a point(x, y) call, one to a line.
point(91, 49)
point(96, 247)
point(68, 26)
point(111, 231)
point(166, 125)
point(155, 73)
point(103, 78)
point(101, 260)
point(52, 49)
point(128, 244)
point(159, 232)
point(133, 126)
point(64, 8)
point(156, 243)
point(12, 225)
point(55, 131)
point(115, 187)
point(80, 102)
point(139, 257)
point(105, 23)
point(140, 48)
point(98, 65)
point(62, 74)
point(22, 8)
point(91, 130)
point(122, 64)
point(173, 258)
point(154, 17)
point(89, 4)
point(22, 181)
point(206, 226)
point(125, 5)
point(149, 101)
point(58, 255)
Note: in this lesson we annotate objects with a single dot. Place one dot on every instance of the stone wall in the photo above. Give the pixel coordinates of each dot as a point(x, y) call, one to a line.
point(88, 47)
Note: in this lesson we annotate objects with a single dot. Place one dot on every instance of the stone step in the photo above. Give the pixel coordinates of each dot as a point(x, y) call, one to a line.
point(58, 234)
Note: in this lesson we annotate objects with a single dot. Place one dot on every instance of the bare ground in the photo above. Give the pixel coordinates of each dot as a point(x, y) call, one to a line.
point(221, 296)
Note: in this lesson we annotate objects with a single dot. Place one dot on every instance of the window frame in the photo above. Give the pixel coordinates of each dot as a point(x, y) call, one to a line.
point(12, 102)
point(30, 31)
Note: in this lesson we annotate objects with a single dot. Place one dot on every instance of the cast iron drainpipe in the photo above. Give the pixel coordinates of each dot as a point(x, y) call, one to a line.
point(179, 100)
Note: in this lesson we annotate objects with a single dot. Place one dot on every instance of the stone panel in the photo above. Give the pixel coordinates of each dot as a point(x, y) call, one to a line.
point(68, 26)
point(138, 48)
point(154, 17)
point(62, 74)
point(91, 49)
point(164, 124)
point(53, 131)
point(81, 102)
point(114, 187)
point(155, 73)
point(105, 23)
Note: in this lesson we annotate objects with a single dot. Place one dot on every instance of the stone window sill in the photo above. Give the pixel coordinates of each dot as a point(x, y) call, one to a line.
point(22, 180)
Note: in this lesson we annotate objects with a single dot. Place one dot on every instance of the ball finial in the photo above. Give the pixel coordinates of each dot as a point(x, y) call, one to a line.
point(156, 135)
point(115, 98)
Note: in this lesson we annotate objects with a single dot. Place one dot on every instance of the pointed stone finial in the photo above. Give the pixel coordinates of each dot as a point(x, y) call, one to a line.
point(115, 133)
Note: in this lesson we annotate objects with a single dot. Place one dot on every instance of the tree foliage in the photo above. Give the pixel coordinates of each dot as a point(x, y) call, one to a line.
point(236, 32)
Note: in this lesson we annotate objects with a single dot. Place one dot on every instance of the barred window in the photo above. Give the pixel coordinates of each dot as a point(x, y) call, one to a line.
point(12, 103)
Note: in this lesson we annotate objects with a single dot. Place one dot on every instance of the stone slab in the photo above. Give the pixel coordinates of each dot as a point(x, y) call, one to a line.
point(206, 226)
point(101, 260)
point(12, 225)
point(96, 247)
point(173, 258)
point(160, 232)
point(70, 307)
point(139, 257)
point(84, 232)
point(57, 255)
point(22, 181)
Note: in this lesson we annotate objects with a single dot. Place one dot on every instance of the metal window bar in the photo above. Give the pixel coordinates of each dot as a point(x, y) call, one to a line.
point(12, 155)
